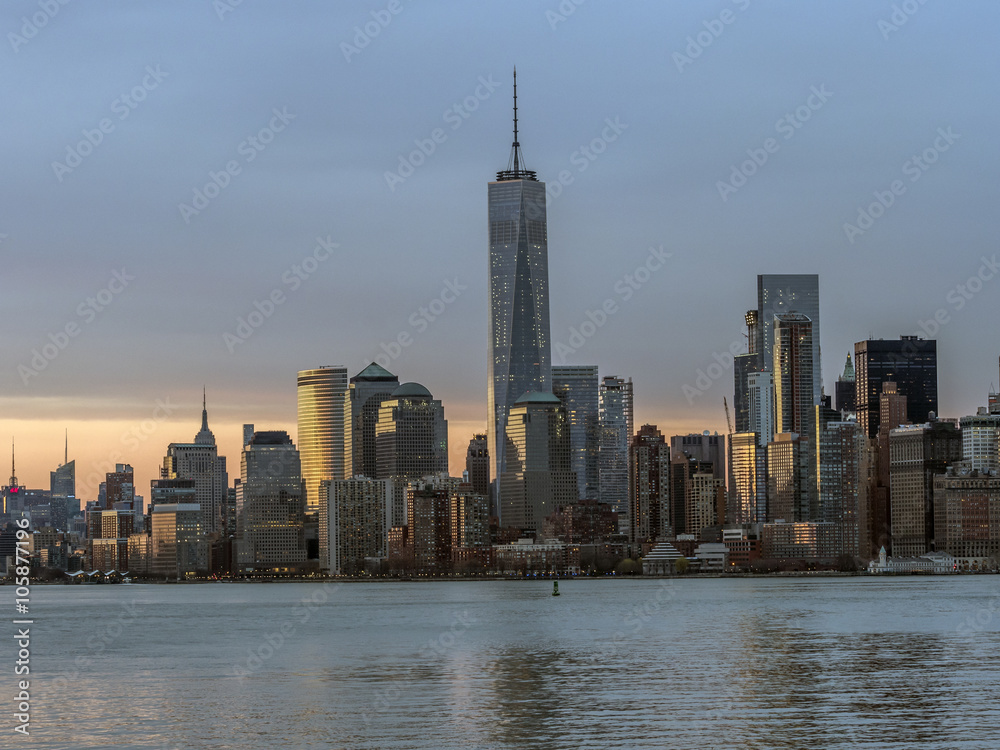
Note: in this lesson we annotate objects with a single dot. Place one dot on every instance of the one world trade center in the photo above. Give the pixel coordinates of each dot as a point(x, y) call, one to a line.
point(519, 348)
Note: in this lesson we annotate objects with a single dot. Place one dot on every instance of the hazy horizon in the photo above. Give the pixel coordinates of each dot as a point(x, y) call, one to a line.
point(350, 171)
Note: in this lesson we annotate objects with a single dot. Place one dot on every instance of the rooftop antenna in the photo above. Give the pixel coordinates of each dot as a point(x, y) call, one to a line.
point(204, 409)
point(517, 146)
point(66, 449)
point(515, 166)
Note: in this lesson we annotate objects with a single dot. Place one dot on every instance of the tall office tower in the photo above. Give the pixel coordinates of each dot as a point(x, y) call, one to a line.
point(981, 441)
point(178, 546)
point(519, 357)
point(470, 523)
point(748, 492)
point(704, 448)
point(683, 469)
point(892, 413)
point(577, 387)
point(706, 502)
point(795, 412)
point(108, 531)
point(62, 481)
point(62, 490)
point(762, 417)
point(354, 523)
point(369, 388)
point(743, 366)
point(911, 363)
point(477, 464)
point(649, 486)
point(248, 431)
point(323, 402)
point(172, 492)
point(615, 433)
point(845, 388)
point(967, 515)
point(779, 294)
point(842, 477)
point(538, 480)
point(784, 478)
point(229, 509)
point(270, 505)
point(200, 461)
point(793, 374)
point(916, 454)
point(411, 441)
point(428, 520)
point(120, 487)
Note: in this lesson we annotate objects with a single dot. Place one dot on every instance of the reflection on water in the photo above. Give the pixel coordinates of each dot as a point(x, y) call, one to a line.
point(791, 663)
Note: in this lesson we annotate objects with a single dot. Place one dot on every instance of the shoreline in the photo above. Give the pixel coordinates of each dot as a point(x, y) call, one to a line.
point(824, 574)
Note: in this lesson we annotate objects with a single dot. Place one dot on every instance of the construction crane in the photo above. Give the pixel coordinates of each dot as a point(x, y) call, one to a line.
point(729, 422)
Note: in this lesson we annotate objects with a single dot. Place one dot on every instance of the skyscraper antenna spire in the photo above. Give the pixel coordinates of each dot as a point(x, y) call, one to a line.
point(13, 473)
point(66, 449)
point(204, 410)
point(204, 436)
point(515, 166)
point(517, 146)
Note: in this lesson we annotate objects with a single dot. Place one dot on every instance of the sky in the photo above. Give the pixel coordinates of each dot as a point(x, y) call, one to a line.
point(219, 194)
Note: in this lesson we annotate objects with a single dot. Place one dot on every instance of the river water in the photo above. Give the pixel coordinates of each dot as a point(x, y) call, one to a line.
point(797, 663)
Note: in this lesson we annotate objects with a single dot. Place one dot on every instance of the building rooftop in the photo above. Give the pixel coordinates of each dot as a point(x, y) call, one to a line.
point(374, 371)
point(411, 390)
point(538, 397)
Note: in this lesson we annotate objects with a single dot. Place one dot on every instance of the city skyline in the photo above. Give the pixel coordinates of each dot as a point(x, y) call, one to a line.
point(168, 287)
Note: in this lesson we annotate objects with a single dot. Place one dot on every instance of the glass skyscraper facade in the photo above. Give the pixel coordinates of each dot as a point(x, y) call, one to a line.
point(520, 341)
point(270, 505)
point(577, 387)
point(615, 435)
point(369, 388)
point(323, 406)
point(910, 363)
point(778, 294)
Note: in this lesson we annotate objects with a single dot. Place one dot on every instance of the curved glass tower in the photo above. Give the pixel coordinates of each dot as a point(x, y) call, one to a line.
point(323, 400)
point(519, 346)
